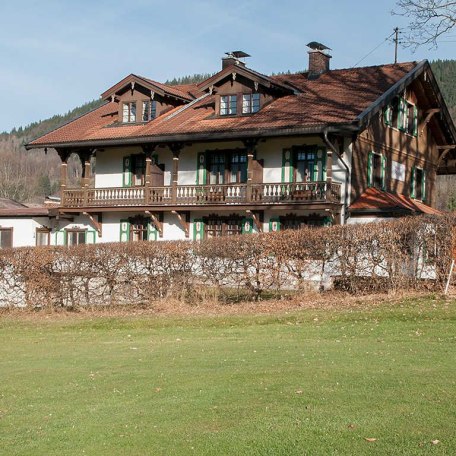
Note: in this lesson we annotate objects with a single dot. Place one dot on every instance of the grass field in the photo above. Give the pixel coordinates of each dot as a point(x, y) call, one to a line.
point(305, 382)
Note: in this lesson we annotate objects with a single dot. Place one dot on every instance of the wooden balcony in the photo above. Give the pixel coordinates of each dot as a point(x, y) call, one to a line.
point(206, 195)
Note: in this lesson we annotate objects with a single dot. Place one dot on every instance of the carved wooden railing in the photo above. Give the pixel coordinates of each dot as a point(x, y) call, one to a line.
point(193, 195)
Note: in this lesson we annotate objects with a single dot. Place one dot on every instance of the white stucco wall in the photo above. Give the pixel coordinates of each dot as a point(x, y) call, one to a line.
point(24, 229)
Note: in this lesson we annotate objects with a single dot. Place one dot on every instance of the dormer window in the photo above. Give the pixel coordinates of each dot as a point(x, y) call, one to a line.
point(149, 110)
point(250, 103)
point(129, 112)
point(228, 105)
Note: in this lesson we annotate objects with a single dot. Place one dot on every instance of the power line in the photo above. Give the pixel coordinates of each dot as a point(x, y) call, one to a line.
point(375, 48)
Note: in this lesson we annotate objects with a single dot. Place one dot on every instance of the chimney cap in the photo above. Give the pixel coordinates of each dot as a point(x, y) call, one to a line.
point(316, 46)
point(237, 54)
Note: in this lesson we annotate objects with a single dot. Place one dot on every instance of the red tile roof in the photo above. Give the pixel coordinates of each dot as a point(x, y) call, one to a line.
point(373, 200)
point(336, 97)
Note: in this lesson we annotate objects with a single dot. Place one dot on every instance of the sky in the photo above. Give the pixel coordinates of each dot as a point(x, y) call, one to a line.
point(58, 54)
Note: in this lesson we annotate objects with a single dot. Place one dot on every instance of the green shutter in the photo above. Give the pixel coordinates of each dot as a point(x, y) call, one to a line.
point(287, 168)
point(323, 167)
point(124, 230)
point(198, 229)
point(201, 168)
point(247, 225)
point(387, 115)
point(383, 172)
point(126, 174)
point(369, 169)
point(401, 114)
point(415, 121)
point(412, 182)
point(152, 232)
point(274, 224)
point(423, 186)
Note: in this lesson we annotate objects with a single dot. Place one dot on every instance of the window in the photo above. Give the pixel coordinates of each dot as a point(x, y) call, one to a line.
point(304, 166)
point(228, 105)
point(376, 171)
point(418, 184)
point(217, 168)
point(149, 110)
point(42, 236)
point(403, 115)
point(138, 169)
point(6, 238)
point(139, 229)
point(76, 236)
point(129, 112)
point(224, 226)
point(250, 103)
point(227, 167)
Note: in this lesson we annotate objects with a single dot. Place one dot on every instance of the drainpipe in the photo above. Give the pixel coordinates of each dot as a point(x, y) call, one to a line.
point(347, 175)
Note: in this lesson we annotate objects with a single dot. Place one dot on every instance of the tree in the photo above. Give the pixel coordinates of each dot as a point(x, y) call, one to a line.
point(429, 20)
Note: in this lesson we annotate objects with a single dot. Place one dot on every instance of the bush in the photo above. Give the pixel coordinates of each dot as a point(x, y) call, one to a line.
point(407, 253)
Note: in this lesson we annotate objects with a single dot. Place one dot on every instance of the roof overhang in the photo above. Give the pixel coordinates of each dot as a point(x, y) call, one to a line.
point(343, 129)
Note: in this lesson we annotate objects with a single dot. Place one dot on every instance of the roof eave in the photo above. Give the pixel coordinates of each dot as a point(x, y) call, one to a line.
point(207, 136)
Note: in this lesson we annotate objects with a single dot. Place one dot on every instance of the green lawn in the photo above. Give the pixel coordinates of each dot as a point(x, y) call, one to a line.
point(298, 383)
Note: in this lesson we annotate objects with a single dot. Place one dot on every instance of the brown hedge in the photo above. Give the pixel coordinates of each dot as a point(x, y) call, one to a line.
point(407, 253)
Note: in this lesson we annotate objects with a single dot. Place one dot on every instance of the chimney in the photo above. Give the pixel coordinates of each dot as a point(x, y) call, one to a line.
point(318, 59)
point(233, 58)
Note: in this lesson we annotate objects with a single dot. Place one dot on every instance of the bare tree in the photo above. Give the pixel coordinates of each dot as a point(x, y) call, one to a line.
point(429, 20)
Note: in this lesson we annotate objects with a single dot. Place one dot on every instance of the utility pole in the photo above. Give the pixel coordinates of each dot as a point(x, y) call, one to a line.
point(396, 41)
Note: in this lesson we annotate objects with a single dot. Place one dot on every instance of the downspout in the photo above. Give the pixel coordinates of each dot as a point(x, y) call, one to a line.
point(347, 175)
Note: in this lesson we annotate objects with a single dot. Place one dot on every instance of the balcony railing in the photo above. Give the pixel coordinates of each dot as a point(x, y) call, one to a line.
point(194, 195)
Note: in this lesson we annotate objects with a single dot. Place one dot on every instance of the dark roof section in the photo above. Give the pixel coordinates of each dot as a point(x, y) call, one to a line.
point(24, 212)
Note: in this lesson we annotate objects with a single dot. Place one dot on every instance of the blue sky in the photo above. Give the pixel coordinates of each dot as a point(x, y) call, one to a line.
point(58, 54)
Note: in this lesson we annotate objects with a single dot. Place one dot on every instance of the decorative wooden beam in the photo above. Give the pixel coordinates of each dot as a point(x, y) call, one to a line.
point(156, 222)
point(445, 150)
point(96, 223)
point(256, 220)
point(184, 222)
point(429, 114)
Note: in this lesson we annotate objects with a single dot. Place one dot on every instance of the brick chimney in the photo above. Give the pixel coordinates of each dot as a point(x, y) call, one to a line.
point(233, 58)
point(318, 60)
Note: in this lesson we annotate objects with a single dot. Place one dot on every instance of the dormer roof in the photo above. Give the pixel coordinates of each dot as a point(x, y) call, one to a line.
point(157, 87)
point(261, 79)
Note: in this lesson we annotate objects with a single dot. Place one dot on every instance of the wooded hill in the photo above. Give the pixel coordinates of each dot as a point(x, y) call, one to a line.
point(29, 176)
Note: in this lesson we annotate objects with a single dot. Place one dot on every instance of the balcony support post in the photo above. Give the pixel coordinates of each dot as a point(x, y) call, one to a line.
point(175, 149)
point(184, 219)
point(64, 155)
point(148, 150)
point(250, 145)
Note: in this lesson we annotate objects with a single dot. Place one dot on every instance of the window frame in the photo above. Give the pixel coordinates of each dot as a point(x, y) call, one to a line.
point(129, 104)
point(226, 227)
point(250, 103)
point(370, 170)
point(11, 231)
point(413, 192)
point(43, 230)
point(70, 231)
point(151, 111)
point(241, 173)
point(228, 105)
